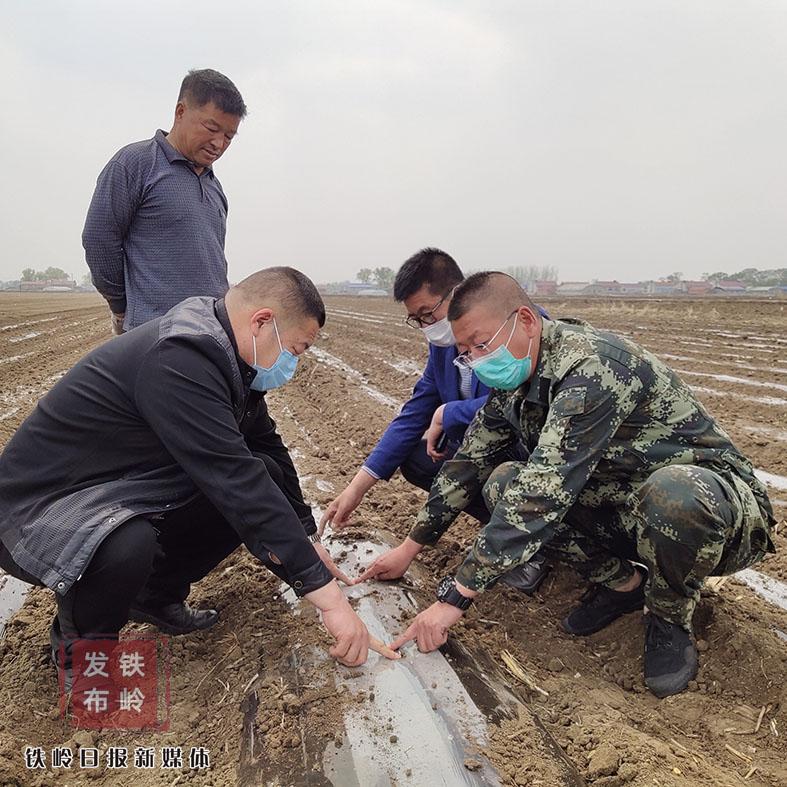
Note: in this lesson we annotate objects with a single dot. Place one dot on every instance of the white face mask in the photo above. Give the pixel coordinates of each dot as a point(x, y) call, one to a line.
point(440, 334)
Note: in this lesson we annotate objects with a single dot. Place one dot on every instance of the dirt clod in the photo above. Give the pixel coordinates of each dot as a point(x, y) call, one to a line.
point(604, 761)
point(555, 665)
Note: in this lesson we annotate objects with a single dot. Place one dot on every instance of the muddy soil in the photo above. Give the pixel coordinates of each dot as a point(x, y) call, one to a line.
point(366, 362)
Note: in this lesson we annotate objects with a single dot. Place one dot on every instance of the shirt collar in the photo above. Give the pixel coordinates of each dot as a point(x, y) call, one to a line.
point(247, 371)
point(173, 154)
point(541, 380)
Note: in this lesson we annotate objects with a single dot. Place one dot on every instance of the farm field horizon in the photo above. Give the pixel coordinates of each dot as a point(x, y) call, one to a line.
point(731, 351)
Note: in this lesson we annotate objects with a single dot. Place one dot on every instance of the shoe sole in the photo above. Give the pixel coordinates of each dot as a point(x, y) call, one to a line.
point(141, 617)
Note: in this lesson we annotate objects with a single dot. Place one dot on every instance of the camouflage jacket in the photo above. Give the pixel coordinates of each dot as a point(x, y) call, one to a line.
point(598, 415)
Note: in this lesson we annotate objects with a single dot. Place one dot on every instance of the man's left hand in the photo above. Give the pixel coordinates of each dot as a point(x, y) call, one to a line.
point(433, 434)
point(116, 323)
point(326, 558)
point(430, 627)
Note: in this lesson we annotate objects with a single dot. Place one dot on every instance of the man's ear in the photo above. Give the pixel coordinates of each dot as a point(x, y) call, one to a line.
point(260, 319)
point(528, 319)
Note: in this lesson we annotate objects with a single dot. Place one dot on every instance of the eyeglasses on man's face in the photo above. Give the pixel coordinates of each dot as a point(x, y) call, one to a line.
point(478, 351)
point(427, 318)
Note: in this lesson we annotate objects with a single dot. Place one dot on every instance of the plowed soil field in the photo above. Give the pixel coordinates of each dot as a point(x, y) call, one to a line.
point(730, 728)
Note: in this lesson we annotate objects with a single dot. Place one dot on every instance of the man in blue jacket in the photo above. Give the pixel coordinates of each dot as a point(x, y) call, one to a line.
point(444, 402)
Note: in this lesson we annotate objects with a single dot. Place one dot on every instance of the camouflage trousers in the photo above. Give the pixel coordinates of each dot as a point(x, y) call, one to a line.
point(684, 523)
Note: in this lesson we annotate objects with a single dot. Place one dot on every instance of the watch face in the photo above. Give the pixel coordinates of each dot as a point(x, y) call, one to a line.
point(444, 587)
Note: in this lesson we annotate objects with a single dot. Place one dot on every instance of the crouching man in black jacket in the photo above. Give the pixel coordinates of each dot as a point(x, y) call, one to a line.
point(155, 457)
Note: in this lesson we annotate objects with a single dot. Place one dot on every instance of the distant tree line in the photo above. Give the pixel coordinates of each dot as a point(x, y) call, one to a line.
point(527, 274)
point(382, 277)
point(530, 273)
point(29, 274)
point(752, 277)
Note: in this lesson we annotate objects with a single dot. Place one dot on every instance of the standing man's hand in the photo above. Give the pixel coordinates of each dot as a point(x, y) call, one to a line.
point(433, 434)
point(337, 515)
point(393, 563)
point(430, 627)
point(116, 322)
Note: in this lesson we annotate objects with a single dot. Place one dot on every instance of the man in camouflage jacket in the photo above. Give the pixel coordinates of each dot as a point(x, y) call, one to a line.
point(625, 465)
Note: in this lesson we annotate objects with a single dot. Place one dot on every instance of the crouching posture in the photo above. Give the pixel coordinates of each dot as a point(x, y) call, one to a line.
point(444, 401)
point(155, 457)
point(629, 480)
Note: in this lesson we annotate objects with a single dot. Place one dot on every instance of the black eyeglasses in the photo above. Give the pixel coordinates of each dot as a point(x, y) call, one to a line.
point(428, 318)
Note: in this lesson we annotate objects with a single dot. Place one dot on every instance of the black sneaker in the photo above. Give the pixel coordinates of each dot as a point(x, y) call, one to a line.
point(178, 618)
point(670, 656)
point(601, 605)
point(528, 577)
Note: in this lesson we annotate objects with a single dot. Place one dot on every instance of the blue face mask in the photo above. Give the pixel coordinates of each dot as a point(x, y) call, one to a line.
point(500, 369)
point(280, 372)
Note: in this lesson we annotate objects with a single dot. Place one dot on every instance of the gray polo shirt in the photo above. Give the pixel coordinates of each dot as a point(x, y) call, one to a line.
point(154, 232)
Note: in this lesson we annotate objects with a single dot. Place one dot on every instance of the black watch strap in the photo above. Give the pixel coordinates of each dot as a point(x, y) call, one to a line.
point(448, 594)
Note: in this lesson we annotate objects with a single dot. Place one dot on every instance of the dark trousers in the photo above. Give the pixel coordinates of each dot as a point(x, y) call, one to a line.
point(420, 469)
point(145, 561)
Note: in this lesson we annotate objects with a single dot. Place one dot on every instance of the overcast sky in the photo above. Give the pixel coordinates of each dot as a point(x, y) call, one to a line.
point(613, 139)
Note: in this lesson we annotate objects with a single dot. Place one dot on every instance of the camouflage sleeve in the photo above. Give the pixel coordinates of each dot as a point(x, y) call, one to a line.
point(534, 496)
point(461, 478)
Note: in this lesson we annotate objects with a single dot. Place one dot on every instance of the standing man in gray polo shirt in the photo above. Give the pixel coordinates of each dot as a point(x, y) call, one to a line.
point(155, 228)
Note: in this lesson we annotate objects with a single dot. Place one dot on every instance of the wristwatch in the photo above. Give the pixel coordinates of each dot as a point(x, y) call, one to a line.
point(314, 538)
point(448, 594)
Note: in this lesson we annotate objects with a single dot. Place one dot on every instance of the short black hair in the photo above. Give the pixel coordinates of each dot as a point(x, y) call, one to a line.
point(429, 266)
point(204, 85)
point(292, 290)
point(504, 290)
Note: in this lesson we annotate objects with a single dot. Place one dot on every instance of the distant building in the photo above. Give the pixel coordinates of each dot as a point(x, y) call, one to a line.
point(372, 292)
point(615, 288)
point(603, 288)
point(543, 288)
point(767, 292)
point(352, 288)
point(46, 285)
point(695, 288)
point(632, 288)
point(572, 288)
point(661, 287)
point(728, 287)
